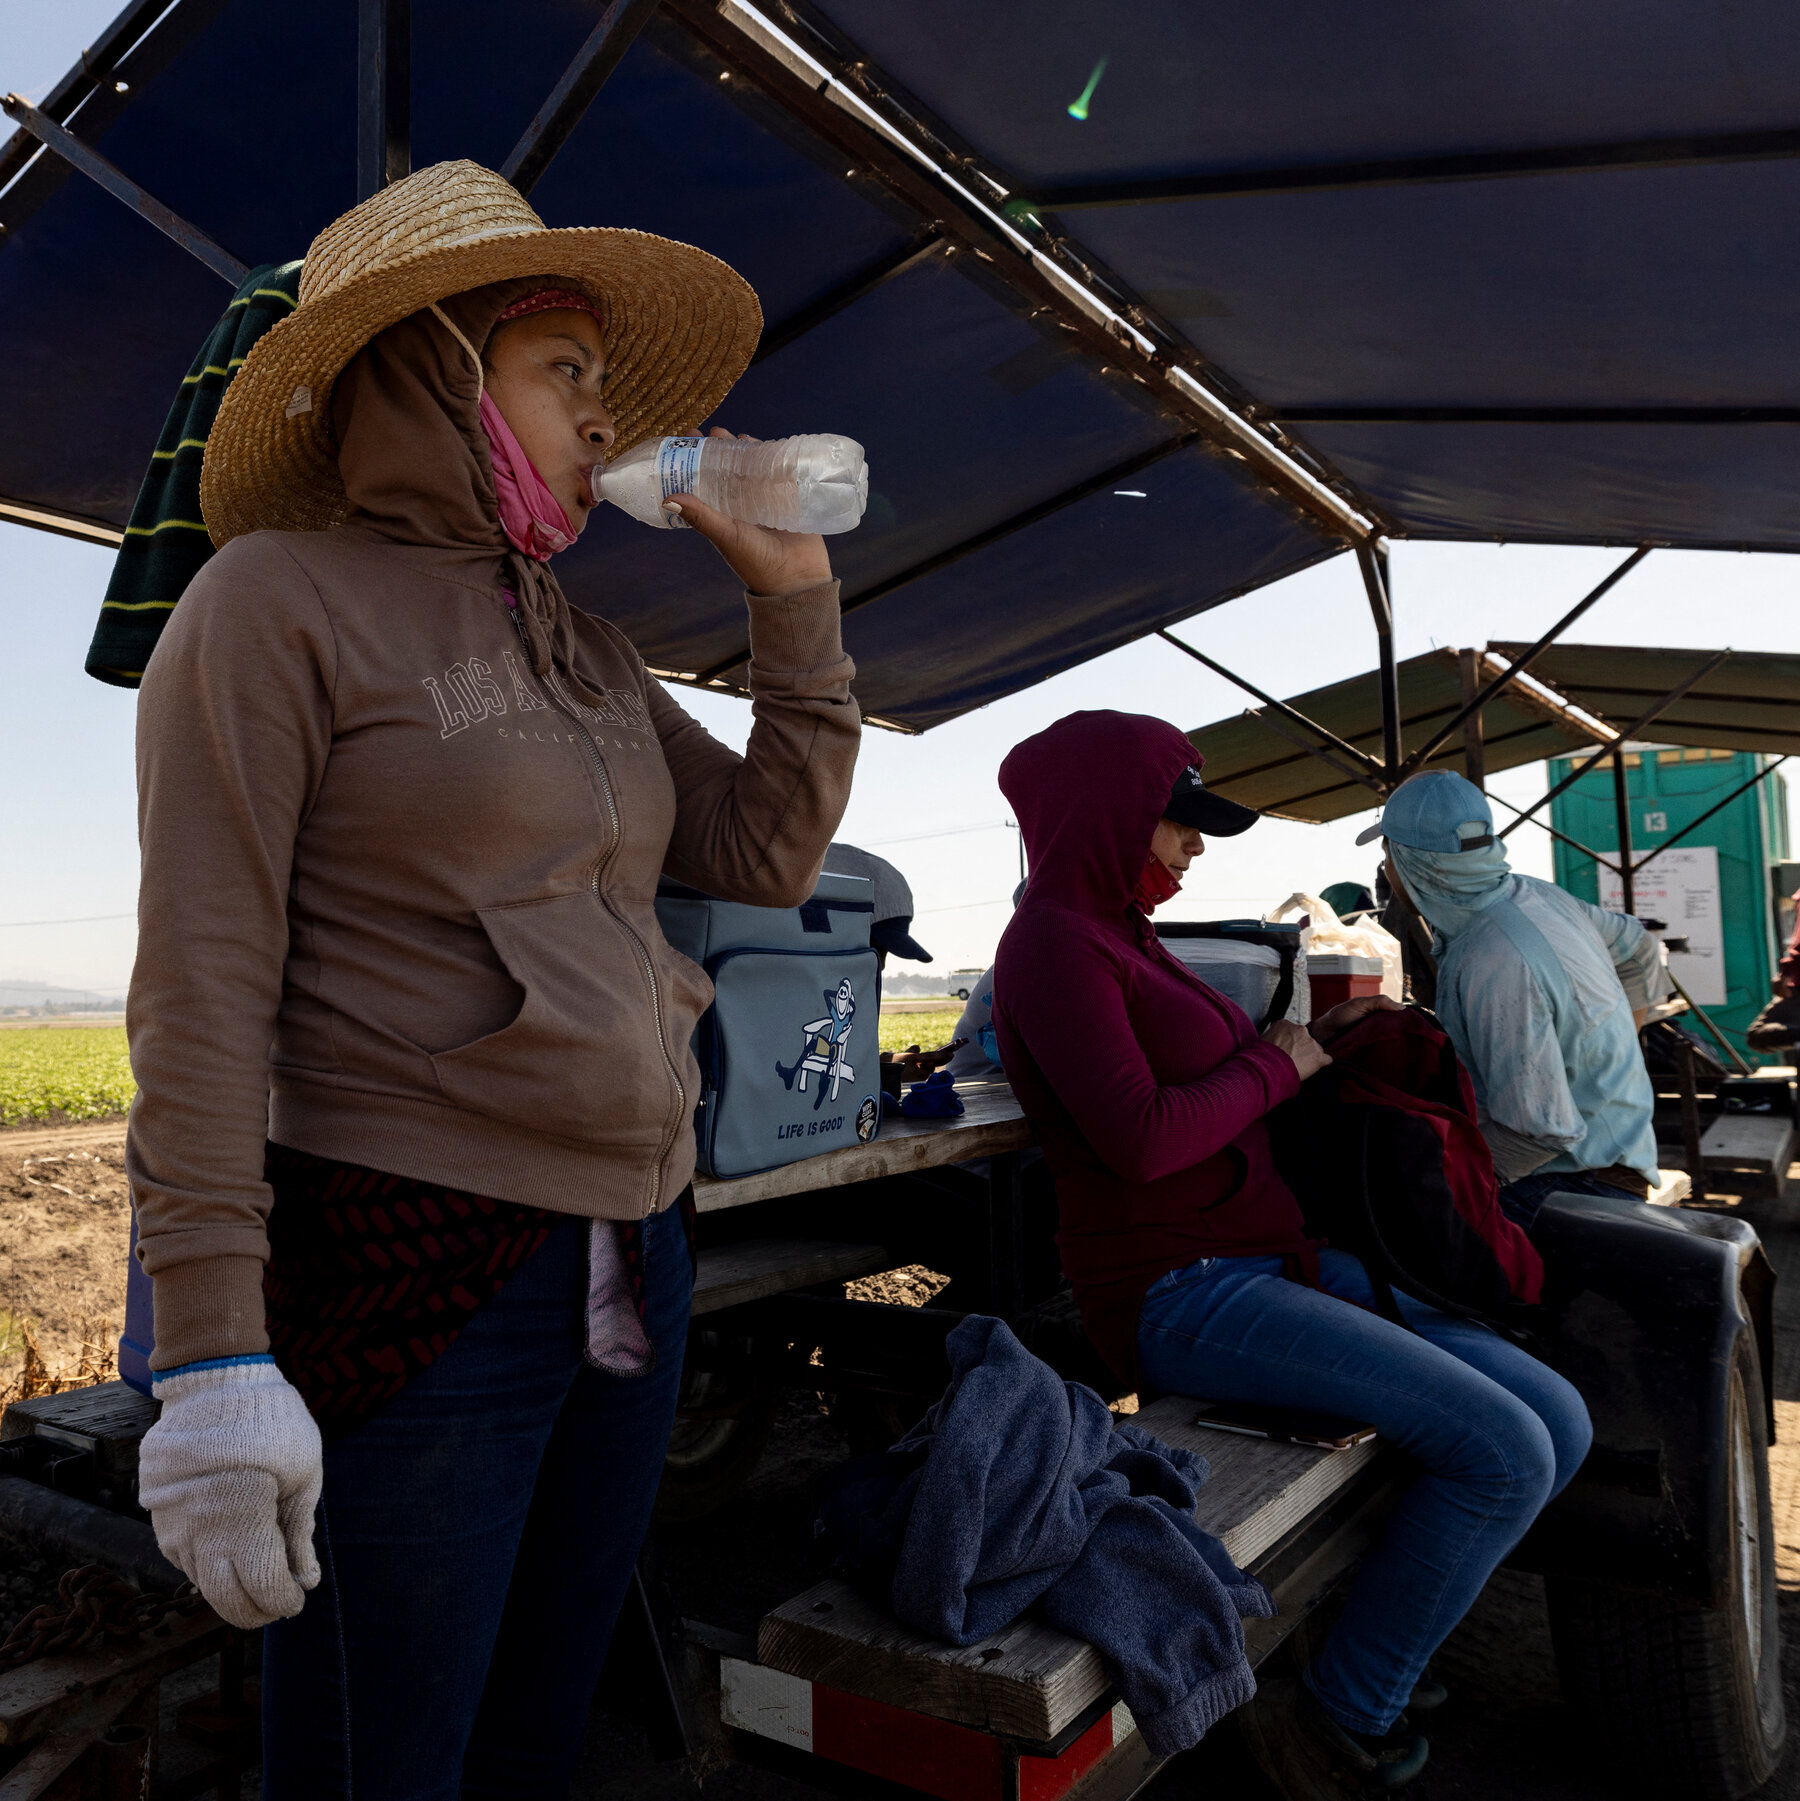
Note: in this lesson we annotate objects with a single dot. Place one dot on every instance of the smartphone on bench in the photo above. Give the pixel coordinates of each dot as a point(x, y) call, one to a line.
point(1283, 1425)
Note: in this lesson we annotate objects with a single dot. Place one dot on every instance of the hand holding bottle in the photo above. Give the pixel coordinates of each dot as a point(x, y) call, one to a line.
point(758, 503)
point(764, 560)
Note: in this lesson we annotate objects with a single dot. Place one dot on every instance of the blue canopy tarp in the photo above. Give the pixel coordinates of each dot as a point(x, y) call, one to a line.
point(1036, 498)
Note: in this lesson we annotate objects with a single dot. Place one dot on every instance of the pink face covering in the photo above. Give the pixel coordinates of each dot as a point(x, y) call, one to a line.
point(1156, 883)
point(530, 515)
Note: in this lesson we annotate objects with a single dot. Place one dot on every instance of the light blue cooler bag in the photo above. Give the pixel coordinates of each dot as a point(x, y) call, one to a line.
point(789, 1051)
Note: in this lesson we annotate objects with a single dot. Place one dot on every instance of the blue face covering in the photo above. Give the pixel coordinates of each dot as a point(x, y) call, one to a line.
point(1451, 887)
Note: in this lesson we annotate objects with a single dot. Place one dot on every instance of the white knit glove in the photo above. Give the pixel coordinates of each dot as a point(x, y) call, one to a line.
point(231, 1474)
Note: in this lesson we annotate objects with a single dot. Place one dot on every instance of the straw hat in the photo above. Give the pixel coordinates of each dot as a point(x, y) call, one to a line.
point(681, 327)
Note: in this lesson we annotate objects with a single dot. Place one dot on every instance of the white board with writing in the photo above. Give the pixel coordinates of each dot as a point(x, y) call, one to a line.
point(1681, 887)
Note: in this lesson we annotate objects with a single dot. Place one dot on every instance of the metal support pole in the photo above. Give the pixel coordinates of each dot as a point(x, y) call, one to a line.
point(1518, 667)
point(1631, 731)
point(1690, 1117)
point(1574, 844)
point(383, 94)
point(1272, 722)
point(1622, 818)
point(1706, 1020)
point(1374, 566)
point(120, 185)
point(557, 118)
point(1468, 668)
point(1279, 706)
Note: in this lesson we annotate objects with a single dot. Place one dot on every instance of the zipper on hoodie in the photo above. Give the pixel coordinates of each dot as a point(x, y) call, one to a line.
point(625, 925)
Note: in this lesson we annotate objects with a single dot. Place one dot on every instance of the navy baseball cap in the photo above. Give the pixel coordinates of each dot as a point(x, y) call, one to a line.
point(1439, 810)
point(891, 929)
point(1192, 803)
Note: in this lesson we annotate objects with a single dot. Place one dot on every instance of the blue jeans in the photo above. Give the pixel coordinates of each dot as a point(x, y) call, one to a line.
point(1520, 1200)
point(476, 1538)
point(1495, 1432)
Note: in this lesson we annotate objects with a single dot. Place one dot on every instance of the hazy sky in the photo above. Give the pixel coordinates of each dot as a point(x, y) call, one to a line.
point(67, 844)
point(66, 807)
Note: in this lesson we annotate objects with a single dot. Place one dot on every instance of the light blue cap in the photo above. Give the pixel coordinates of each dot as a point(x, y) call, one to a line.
point(1439, 811)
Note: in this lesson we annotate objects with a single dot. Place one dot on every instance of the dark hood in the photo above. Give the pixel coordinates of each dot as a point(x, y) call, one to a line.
point(411, 446)
point(414, 457)
point(1087, 793)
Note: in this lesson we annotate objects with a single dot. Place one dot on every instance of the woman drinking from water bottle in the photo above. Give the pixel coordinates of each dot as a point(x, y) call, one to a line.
point(412, 1146)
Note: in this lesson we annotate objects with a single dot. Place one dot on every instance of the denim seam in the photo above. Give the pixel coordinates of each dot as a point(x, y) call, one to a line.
point(337, 1627)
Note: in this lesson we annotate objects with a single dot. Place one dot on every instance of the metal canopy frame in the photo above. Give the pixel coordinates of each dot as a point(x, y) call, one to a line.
point(136, 47)
point(581, 82)
point(1386, 774)
point(838, 95)
point(839, 104)
point(1400, 171)
point(383, 94)
point(1534, 415)
point(846, 102)
point(941, 559)
point(120, 185)
point(1651, 713)
point(1473, 706)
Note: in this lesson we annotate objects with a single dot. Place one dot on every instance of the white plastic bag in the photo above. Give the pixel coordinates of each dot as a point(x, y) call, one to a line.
point(1323, 934)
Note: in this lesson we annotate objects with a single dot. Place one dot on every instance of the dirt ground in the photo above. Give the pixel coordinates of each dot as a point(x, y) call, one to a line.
point(65, 1223)
point(1505, 1736)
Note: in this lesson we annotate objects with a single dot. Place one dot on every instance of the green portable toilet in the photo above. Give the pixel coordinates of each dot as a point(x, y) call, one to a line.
point(1713, 888)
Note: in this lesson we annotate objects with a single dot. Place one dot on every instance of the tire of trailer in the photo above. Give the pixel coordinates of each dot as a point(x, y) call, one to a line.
point(722, 1422)
point(1688, 1699)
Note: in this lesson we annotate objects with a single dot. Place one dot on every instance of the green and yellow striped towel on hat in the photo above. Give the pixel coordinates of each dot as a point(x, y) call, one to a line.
point(166, 541)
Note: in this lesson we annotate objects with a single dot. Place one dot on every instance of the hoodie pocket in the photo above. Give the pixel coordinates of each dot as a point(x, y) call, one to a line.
point(581, 1059)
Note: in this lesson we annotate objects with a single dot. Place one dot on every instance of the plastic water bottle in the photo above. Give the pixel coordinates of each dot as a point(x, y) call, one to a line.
point(814, 483)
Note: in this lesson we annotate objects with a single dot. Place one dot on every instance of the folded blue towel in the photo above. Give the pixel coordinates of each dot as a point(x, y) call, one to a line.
point(1020, 1491)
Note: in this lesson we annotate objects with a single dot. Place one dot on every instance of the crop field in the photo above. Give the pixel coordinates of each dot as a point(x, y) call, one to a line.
point(63, 1072)
point(82, 1072)
point(899, 1031)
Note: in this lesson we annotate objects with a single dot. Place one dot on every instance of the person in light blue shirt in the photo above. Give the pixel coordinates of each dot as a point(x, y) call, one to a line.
point(1542, 996)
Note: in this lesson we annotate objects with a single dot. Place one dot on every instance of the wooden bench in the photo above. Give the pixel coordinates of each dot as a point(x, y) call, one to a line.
point(1298, 1518)
point(730, 1274)
point(1752, 1151)
point(990, 1124)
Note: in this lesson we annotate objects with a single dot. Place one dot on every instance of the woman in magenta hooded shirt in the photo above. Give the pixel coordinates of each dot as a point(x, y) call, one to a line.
point(1187, 1253)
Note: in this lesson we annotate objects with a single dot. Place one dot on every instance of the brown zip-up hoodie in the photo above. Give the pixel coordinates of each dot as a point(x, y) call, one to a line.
point(400, 850)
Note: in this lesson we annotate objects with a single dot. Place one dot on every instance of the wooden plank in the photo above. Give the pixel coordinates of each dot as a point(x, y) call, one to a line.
point(1749, 1141)
point(38, 1696)
point(1029, 1680)
point(109, 1419)
point(992, 1122)
point(36, 1775)
point(1256, 1492)
point(734, 1273)
point(1673, 1186)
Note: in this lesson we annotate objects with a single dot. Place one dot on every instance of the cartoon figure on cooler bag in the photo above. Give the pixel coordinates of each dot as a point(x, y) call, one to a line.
point(827, 1046)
